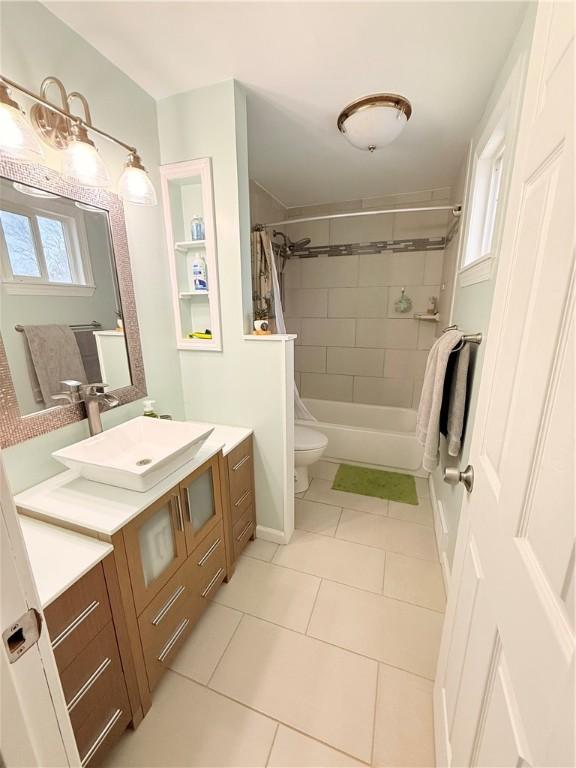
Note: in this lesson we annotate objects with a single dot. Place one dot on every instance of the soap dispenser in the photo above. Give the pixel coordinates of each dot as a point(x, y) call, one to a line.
point(149, 409)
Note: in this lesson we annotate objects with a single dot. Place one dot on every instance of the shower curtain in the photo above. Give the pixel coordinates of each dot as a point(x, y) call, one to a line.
point(266, 294)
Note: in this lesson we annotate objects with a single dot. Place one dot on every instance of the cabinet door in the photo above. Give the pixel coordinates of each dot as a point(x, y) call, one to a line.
point(155, 547)
point(202, 502)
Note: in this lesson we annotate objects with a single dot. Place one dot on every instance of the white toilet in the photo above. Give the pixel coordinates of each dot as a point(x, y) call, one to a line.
point(309, 446)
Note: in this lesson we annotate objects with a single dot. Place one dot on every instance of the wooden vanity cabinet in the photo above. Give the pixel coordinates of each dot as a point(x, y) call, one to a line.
point(237, 470)
point(94, 662)
point(175, 559)
point(155, 543)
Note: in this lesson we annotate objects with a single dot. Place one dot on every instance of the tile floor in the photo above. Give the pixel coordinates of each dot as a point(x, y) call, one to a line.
point(320, 653)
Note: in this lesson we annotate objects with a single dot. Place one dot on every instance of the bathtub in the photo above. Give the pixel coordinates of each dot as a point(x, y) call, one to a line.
point(367, 434)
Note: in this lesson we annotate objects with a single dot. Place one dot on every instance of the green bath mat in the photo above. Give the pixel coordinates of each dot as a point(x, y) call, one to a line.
point(376, 482)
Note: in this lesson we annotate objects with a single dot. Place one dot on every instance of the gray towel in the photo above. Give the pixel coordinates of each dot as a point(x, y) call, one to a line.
point(428, 421)
point(89, 353)
point(457, 401)
point(55, 356)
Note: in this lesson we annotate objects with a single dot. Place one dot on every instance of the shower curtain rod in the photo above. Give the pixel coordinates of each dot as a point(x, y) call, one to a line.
point(456, 211)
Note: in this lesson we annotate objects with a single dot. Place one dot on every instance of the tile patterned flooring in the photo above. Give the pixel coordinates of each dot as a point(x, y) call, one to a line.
point(321, 653)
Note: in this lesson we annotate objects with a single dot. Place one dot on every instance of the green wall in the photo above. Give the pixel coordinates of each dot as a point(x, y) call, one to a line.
point(250, 382)
point(472, 303)
point(34, 44)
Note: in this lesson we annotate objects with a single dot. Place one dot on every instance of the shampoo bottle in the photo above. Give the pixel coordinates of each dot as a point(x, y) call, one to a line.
point(199, 274)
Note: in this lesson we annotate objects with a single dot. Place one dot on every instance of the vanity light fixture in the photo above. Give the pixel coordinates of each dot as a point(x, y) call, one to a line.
point(81, 161)
point(373, 121)
point(134, 185)
point(58, 127)
point(24, 189)
point(17, 139)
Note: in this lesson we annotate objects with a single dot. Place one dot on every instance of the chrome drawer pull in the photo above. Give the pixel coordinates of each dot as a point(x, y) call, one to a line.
point(242, 461)
point(107, 728)
point(167, 605)
point(173, 640)
point(241, 499)
point(180, 515)
point(213, 581)
point(209, 552)
point(246, 528)
point(79, 695)
point(75, 624)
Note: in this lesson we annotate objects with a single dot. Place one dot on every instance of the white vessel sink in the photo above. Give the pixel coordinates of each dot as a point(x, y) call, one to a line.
point(137, 454)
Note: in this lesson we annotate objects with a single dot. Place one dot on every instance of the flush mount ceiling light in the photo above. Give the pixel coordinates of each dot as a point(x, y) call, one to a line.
point(374, 121)
point(17, 139)
point(58, 127)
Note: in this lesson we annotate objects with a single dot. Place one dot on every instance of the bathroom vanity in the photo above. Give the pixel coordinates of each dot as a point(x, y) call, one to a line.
point(160, 557)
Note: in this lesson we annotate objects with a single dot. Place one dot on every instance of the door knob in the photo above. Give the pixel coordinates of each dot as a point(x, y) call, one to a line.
point(453, 476)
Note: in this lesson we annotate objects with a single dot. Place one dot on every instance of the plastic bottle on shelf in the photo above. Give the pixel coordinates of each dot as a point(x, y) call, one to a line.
point(197, 227)
point(199, 273)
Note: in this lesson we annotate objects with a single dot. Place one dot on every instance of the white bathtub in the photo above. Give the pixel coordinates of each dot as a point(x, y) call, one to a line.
point(367, 434)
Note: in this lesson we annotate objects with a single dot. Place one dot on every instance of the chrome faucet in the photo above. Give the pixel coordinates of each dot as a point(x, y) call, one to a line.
point(92, 395)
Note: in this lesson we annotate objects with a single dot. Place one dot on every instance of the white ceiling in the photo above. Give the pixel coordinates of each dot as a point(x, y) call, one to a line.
point(302, 62)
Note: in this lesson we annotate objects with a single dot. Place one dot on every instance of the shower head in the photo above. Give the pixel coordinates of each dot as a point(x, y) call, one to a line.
point(300, 244)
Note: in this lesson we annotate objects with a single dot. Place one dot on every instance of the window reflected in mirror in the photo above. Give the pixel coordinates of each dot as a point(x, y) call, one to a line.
point(60, 309)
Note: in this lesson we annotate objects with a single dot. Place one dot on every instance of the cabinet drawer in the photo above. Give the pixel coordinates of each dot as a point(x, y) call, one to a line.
point(240, 470)
point(107, 721)
point(160, 648)
point(94, 677)
point(160, 620)
point(77, 616)
point(238, 454)
point(205, 561)
point(242, 531)
point(242, 503)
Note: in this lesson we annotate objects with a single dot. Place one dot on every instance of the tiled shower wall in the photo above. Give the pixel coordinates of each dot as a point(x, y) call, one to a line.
point(352, 344)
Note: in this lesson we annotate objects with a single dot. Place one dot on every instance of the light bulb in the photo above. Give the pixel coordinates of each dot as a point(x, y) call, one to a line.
point(81, 161)
point(134, 186)
point(17, 138)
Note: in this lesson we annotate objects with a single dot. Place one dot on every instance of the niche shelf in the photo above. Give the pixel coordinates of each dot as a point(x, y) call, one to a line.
point(187, 192)
point(189, 245)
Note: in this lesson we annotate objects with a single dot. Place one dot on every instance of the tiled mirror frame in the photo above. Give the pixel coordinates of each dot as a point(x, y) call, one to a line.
point(14, 426)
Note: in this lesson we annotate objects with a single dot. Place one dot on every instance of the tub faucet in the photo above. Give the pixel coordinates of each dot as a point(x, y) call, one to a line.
point(91, 395)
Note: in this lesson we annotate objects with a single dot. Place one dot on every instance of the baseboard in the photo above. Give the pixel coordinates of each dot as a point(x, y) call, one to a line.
point(441, 532)
point(441, 733)
point(271, 534)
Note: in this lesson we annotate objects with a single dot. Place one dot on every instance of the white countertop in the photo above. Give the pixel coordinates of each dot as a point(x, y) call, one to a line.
point(69, 499)
point(59, 557)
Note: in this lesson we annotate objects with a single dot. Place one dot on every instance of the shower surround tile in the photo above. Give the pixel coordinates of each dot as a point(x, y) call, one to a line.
point(310, 359)
point(323, 272)
point(375, 391)
point(327, 386)
point(355, 361)
point(339, 298)
point(328, 333)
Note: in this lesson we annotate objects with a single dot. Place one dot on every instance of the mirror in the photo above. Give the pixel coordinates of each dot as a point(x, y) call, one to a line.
point(66, 299)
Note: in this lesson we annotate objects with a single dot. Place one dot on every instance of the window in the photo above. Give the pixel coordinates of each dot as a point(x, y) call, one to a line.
point(486, 189)
point(41, 252)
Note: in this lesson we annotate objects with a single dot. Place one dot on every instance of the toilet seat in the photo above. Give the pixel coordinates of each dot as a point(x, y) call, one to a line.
point(306, 439)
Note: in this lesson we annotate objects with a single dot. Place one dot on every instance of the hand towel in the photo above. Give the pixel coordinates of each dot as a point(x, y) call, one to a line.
point(428, 421)
point(457, 401)
point(89, 354)
point(55, 355)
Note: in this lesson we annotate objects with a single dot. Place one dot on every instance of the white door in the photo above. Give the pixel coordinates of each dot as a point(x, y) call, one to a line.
point(35, 729)
point(504, 693)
